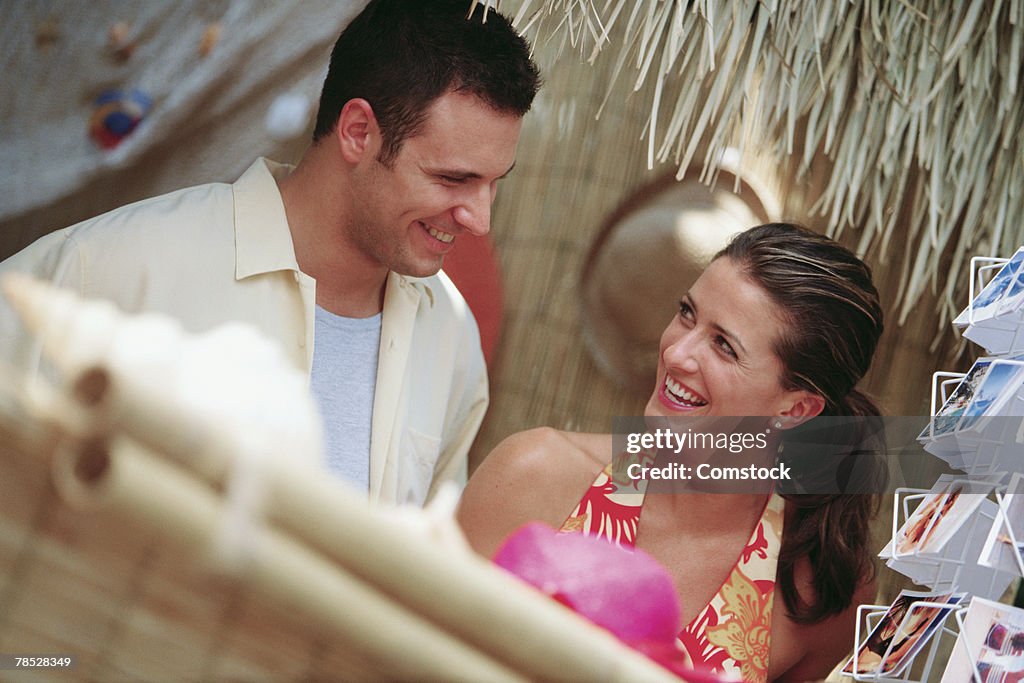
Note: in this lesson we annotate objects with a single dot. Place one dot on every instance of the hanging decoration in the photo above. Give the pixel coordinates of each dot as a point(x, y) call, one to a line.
point(209, 39)
point(288, 116)
point(116, 115)
point(47, 34)
point(915, 103)
point(120, 42)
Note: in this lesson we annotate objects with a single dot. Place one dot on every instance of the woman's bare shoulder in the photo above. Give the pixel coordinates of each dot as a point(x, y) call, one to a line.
point(545, 451)
point(535, 475)
point(597, 448)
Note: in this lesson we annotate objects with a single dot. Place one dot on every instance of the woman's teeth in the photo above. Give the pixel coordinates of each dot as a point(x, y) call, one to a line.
point(680, 394)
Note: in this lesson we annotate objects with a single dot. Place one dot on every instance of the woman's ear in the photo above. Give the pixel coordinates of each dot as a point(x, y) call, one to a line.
point(803, 405)
point(357, 133)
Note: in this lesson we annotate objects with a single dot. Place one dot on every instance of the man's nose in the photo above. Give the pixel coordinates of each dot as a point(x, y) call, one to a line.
point(474, 213)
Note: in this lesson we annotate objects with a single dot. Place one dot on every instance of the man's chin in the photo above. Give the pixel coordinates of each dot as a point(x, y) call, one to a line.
point(426, 269)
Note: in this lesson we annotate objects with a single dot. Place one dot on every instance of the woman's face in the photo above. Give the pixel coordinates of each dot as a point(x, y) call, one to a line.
point(717, 356)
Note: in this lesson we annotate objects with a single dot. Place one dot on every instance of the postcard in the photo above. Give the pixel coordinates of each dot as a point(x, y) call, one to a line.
point(900, 634)
point(940, 514)
point(999, 336)
point(992, 640)
point(1000, 385)
point(948, 416)
point(1002, 294)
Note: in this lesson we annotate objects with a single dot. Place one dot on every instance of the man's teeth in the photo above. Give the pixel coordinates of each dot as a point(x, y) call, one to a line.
point(676, 390)
point(443, 236)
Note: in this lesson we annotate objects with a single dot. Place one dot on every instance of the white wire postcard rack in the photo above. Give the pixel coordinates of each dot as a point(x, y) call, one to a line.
point(898, 634)
point(965, 536)
point(978, 426)
point(940, 542)
point(992, 318)
point(1004, 546)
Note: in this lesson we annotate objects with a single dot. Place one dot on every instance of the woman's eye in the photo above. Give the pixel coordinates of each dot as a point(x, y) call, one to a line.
point(451, 180)
point(685, 311)
point(725, 346)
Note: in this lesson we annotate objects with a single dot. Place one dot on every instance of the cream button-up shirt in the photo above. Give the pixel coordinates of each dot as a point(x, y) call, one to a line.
point(220, 252)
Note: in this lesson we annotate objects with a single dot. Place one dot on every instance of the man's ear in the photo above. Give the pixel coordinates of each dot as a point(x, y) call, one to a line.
point(357, 132)
point(804, 405)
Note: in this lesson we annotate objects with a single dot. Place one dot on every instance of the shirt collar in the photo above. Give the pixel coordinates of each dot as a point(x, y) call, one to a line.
point(263, 242)
point(424, 284)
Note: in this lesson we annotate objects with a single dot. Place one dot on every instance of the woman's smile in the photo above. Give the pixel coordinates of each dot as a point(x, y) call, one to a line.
point(679, 396)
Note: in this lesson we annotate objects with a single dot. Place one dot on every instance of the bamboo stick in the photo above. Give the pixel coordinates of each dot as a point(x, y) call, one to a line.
point(519, 627)
point(145, 491)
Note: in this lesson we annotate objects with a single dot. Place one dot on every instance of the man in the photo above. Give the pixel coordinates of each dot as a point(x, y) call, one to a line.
point(339, 258)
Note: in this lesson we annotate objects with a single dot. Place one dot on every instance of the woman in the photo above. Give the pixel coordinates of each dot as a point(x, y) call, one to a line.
point(783, 324)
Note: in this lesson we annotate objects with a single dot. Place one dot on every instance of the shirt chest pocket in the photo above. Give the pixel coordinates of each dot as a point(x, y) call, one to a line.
point(418, 455)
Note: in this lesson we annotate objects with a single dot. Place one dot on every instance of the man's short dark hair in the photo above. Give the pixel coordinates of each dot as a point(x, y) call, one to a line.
point(401, 55)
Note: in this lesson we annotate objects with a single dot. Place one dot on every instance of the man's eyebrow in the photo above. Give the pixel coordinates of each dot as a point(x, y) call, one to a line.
point(467, 175)
point(725, 332)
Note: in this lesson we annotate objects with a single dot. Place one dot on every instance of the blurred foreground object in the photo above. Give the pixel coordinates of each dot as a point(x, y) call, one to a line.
point(634, 597)
point(158, 526)
point(627, 592)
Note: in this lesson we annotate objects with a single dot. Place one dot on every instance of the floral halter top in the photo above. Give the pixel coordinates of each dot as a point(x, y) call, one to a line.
point(732, 634)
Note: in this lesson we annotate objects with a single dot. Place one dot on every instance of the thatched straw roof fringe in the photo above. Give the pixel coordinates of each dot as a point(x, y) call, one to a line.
point(916, 100)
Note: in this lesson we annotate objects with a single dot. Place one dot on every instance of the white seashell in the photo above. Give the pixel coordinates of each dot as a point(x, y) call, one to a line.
point(74, 334)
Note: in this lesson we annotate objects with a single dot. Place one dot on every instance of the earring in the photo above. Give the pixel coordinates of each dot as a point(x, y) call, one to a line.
point(778, 424)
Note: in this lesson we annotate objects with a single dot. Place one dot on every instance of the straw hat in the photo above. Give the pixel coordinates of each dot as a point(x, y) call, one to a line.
point(649, 253)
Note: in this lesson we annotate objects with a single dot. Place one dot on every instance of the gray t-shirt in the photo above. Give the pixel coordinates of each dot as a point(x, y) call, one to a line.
point(343, 381)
